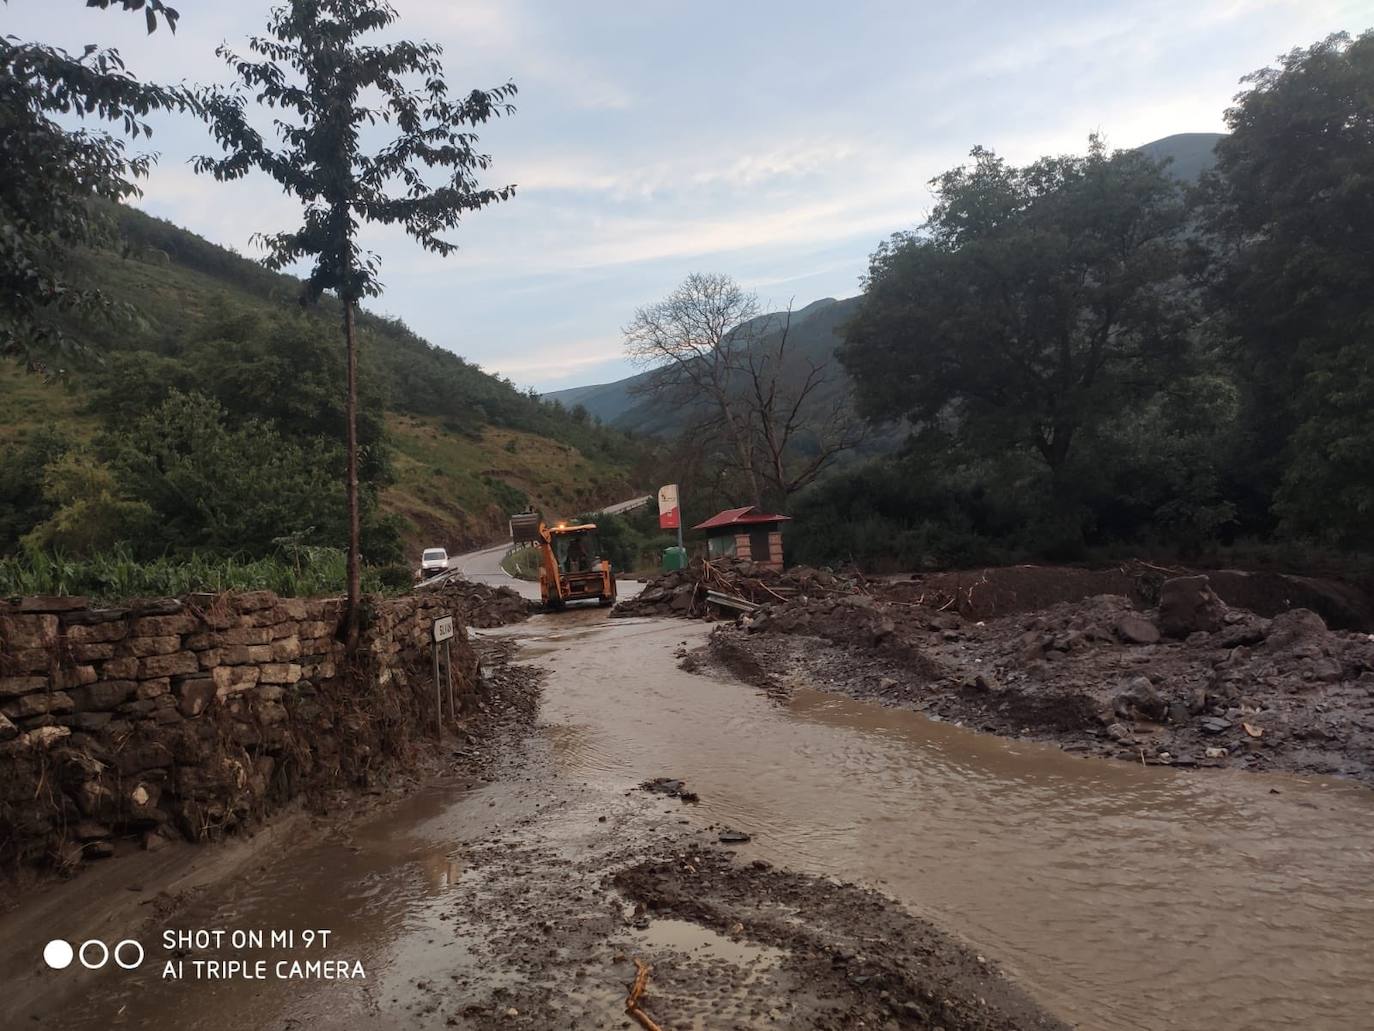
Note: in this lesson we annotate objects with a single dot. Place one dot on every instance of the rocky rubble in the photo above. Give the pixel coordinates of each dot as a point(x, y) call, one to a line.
point(187, 717)
point(484, 606)
point(1189, 682)
point(684, 592)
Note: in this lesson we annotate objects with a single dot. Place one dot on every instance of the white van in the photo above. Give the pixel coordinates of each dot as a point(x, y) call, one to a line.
point(432, 561)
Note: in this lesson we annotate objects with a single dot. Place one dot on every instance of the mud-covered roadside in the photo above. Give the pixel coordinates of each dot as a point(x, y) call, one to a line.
point(557, 914)
point(1190, 682)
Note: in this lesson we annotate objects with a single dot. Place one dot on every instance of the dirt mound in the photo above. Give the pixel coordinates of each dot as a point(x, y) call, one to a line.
point(869, 962)
point(485, 606)
point(1002, 591)
point(1189, 682)
point(687, 592)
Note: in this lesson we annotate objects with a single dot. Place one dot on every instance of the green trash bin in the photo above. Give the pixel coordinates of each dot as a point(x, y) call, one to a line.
point(674, 558)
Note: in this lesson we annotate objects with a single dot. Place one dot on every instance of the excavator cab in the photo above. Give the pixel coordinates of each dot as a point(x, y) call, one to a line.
point(571, 566)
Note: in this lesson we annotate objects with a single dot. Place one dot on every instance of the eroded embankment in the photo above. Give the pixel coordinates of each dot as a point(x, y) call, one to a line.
point(1187, 682)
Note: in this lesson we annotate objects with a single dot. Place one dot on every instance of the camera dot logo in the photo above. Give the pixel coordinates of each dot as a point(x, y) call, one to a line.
point(93, 953)
point(58, 954)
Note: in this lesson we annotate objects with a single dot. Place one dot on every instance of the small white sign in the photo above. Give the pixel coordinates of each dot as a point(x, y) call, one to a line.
point(443, 629)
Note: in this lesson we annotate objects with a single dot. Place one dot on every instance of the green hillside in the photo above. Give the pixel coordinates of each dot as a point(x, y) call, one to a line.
point(450, 448)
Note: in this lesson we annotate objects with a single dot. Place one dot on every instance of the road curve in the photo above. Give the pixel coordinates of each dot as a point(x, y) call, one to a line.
point(485, 566)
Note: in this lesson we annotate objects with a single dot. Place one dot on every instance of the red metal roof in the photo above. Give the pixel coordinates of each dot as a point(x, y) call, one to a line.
point(745, 516)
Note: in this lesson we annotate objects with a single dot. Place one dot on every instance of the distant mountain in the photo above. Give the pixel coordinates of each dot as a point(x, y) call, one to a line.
point(816, 329)
point(1192, 153)
point(813, 335)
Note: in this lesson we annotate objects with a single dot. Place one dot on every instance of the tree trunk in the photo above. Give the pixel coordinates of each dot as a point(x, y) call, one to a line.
point(353, 615)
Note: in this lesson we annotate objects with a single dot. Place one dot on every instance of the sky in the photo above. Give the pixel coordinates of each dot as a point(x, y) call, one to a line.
point(777, 142)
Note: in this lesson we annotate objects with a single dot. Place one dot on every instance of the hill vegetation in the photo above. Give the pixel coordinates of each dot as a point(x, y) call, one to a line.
point(215, 385)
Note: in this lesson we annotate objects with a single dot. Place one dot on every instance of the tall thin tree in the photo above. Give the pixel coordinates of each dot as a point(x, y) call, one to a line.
point(314, 65)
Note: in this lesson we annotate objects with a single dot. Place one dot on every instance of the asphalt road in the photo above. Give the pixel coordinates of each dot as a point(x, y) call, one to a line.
point(485, 566)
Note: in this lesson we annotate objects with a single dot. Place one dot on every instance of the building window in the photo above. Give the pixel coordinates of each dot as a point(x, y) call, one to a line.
point(721, 546)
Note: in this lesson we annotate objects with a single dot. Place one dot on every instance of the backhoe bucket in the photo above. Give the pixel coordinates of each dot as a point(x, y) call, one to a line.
point(524, 527)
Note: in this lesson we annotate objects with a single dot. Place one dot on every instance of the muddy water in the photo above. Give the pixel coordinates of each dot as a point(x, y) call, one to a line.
point(1120, 896)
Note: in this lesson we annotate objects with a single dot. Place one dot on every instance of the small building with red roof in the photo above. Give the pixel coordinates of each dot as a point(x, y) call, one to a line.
point(745, 533)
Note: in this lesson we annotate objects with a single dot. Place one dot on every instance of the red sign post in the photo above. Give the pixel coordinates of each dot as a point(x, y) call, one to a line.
point(669, 515)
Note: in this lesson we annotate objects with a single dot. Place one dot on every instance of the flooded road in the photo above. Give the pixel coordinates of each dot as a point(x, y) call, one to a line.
point(1122, 897)
point(1119, 897)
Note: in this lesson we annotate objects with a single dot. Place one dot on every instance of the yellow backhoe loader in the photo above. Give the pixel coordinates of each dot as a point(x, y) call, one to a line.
point(571, 567)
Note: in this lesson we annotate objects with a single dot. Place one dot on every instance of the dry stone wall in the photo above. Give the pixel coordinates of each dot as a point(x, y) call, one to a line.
point(188, 717)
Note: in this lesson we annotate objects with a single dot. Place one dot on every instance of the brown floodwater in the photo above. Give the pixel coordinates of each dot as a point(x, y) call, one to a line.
point(1120, 897)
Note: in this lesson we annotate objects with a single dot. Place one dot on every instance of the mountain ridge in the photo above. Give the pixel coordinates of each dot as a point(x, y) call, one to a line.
point(615, 402)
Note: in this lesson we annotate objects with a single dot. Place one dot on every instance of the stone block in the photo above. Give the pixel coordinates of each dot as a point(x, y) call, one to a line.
point(138, 755)
point(95, 633)
point(47, 603)
point(193, 696)
point(285, 649)
point(232, 679)
point(21, 631)
point(144, 646)
point(103, 696)
point(279, 673)
point(74, 676)
point(316, 628)
point(123, 668)
point(13, 687)
point(163, 626)
point(93, 651)
point(293, 608)
point(176, 664)
point(39, 703)
point(245, 654)
point(245, 635)
point(288, 629)
point(89, 721)
point(25, 660)
point(8, 731)
point(251, 601)
point(211, 657)
point(93, 617)
point(153, 688)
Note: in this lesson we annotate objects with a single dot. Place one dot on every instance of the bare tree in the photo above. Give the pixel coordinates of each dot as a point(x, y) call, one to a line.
point(801, 431)
point(783, 418)
point(690, 340)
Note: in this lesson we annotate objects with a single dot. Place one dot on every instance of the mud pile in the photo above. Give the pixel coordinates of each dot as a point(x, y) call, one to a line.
point(1189, 681)
point(485, 606)
point(686, 592)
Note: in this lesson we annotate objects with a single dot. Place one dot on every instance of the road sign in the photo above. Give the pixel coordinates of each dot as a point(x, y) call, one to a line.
point(669, 517)
point(443, 628)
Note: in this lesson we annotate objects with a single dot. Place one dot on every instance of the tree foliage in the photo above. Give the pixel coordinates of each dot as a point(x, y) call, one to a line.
point(314, 65)
point(52, 174)
point(1033, 304)
point(1290, 216)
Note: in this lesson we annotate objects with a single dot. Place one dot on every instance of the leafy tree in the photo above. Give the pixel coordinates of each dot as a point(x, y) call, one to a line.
point(91, 512)
point(1032, 306)
point(230, 490)
point(23, 503)
point(314, 65)
point(52, 174)
point(1290, 217)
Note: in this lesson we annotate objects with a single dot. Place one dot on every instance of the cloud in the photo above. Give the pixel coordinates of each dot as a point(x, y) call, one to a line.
point(554, 362)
